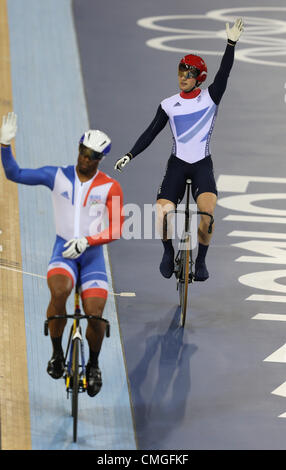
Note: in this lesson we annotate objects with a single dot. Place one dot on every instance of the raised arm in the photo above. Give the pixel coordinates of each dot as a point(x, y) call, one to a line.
point(44, 175)
point(218, 87)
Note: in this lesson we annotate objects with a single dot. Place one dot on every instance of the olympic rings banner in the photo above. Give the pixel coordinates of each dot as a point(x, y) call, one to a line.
point(265, 34)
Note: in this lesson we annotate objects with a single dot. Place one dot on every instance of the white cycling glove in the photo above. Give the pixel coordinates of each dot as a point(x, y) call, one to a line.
point(9, 128)
point(120, 164)
point(234, 33)
point(75, 247)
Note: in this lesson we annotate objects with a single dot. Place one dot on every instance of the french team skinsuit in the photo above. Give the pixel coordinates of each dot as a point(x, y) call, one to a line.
point(80, 210)
point(191, 117)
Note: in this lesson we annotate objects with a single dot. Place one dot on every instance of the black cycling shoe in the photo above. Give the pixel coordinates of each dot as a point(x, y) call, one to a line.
point(201, 272)
point(56, 366)
point(94, 380)
point(167, 264)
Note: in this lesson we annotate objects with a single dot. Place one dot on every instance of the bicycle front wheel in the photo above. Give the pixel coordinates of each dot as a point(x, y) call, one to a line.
point(75, 385)
point(184, 281)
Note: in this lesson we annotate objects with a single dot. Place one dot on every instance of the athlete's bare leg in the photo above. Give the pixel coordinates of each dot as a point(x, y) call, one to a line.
point(94, 333)
point(95, 329)
point(60, 288)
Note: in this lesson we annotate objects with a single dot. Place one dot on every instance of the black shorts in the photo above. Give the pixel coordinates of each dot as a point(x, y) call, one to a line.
point(178, 171)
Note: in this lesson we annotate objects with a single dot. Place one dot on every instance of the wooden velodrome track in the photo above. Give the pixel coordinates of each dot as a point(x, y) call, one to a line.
point(15, 415)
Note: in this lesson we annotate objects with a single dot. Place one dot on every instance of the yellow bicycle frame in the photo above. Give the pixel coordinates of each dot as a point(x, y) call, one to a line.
point(77, 311)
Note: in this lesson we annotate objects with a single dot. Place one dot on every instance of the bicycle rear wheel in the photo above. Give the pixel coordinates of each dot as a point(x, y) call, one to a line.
point(75, 385)
point(184, 281)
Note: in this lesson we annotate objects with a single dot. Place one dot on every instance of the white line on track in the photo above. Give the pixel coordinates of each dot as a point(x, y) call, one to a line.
point(121, 294)
point(269, 316)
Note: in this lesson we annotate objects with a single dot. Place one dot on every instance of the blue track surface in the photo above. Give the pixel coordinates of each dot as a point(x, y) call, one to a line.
point(49, 99)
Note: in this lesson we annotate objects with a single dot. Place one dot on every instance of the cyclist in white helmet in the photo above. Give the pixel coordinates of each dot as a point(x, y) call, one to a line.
point(83, 198)
point(191, 115)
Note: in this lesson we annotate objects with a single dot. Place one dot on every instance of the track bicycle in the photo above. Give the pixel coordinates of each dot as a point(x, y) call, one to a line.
point(184, 258)
point(75, 365)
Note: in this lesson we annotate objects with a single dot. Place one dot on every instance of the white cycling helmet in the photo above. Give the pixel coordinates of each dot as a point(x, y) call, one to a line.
point(97, 141)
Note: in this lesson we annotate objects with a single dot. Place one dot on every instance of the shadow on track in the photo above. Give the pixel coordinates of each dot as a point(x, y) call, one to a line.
point(161, 384)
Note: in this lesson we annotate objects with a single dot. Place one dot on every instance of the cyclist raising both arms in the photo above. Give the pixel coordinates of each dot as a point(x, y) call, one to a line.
point(191, 114)
point(83, 197)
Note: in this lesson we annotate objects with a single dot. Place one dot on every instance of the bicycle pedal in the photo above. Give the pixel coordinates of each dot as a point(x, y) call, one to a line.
point(177, 273)
point(69, 382)
point(83, 383)
point(177, 270)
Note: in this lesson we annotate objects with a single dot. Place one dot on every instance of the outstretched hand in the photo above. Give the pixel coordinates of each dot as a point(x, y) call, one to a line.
point(9, 128)
point(234, 33)
point(120, 164)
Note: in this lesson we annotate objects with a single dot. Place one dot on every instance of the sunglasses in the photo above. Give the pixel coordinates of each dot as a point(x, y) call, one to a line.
point(192, 72)
point(89, 153)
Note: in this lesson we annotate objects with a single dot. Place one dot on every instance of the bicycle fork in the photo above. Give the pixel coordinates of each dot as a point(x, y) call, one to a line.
point(76, 335)
point(69, 375)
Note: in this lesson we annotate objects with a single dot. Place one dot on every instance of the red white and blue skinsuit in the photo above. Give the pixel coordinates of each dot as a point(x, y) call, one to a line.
point(81, 209)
